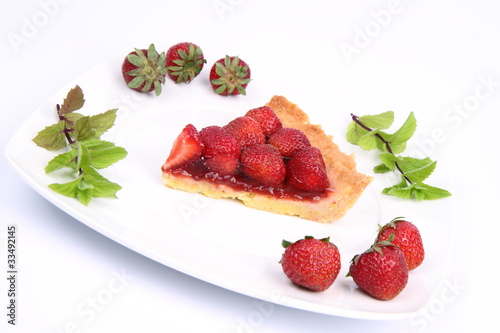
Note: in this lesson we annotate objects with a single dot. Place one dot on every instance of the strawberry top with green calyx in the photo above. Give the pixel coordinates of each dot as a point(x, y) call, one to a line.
point(184, 62)
point(230, 76)
point(406, 236)
point(145, 70)
point(311, 263)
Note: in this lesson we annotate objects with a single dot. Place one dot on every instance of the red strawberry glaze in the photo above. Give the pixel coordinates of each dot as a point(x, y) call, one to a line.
point(240, 182)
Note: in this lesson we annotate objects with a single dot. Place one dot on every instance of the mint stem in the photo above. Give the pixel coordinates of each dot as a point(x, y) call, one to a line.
point(66, 130)
point(384, 141)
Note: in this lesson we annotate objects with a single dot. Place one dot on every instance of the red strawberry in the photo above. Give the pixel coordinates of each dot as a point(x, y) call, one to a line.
point(289, 141)
point(217, 140)
point(264, 164)
point(267, 119)
point(144, 70)
point(184, 62)
point(186, 148)
point(380, 271)
point(306, 170)
point(311, 263)
point(246, 130)
point(230, 76)
point(407, 238)
point(223, 164)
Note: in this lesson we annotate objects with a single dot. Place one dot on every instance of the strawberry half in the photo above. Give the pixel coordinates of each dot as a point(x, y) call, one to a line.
point(184, 62)
point(230, 76)
point(186, 148)
point(144, 70)
point(407, 237)
point(381, 271)
point(311, 263)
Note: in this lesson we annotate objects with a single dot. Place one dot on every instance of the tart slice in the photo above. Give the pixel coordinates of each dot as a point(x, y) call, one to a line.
point(271, 159)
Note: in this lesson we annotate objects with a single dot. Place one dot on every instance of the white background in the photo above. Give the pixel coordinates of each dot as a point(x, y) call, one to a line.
point(366, 57)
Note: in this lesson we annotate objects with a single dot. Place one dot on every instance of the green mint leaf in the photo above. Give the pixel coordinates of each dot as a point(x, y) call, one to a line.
point(73, 101)
point(389, 161)
point(67, 189)
point(64, 160)
point(427, 192)
point(415, 169)
point(78, 189)
point(368, 141)
point(104, 153)
point(51, 137)
point(400, 192)
point(381, 168)
point(380, 121)
point(83, 129)
point(102, 122)
point(419, 191)
point(71, 119)
point(101, 187)
point(405, 132)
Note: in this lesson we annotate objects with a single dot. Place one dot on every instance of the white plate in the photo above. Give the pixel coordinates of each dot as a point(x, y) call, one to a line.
point(222, 241)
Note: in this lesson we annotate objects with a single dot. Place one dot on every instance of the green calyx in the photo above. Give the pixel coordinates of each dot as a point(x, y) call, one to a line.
point(391, 224)
point(150, 70)
point(231, 76)
point(189, 64)
point(286, 243)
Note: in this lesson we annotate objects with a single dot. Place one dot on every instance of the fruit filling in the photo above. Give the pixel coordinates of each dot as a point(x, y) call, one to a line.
point(253, 153)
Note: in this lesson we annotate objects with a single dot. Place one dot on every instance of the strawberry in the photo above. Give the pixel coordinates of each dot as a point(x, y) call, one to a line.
point(263, 163)
point(407, 238)
point(246, 130)
point(289, 141)
point(217, 140)
point(267, 119)
point(311, 263)
point(186, 148)
point(184, 62)
point(230, 76)
point(144, 70)
point(307, 171)
point(381, 271)
point(223, 164)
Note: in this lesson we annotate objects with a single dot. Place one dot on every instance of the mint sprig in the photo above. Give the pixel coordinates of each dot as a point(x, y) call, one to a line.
point(85, 152)
point(367, 132)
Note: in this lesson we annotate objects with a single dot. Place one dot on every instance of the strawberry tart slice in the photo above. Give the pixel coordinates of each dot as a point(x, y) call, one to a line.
point(271, 159)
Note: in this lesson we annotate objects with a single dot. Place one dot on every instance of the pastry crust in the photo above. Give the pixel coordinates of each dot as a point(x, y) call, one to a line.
point(347, 184)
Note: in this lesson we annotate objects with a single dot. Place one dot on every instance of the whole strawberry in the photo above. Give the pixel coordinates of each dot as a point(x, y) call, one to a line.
point(230, 76)
point(289, 141)
point(311, 263)
point(144, 70)
point(267, 119)
point(263, 163)
point(246, 130)
point(307, 171)
point(184, 62)
point(407, 237)
point(380, 271)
